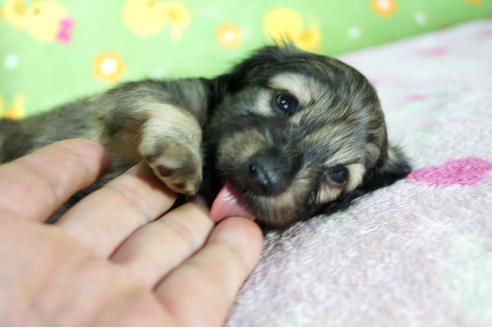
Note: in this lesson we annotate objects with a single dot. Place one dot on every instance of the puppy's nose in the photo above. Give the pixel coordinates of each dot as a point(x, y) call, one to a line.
point(269, 174)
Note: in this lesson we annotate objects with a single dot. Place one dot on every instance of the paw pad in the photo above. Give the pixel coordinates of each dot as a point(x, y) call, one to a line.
point(164, 171)
point(177, 165)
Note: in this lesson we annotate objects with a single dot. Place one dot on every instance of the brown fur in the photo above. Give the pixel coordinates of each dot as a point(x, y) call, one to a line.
point(224, 129)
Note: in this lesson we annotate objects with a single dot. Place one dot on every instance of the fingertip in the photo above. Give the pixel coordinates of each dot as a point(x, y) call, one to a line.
point(244, 235)
point(248, 226)
point(209, 281)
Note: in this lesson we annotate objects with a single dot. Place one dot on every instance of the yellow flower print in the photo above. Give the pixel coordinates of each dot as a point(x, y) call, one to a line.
point(179, 17)
point(147, 17)
point(45, 20)
point(385, 8)
point(14, 12)
point(229, 35)
point(284, 24)
point(143, 17)
point(108, 66)
point(17, 111)
point(310, 39)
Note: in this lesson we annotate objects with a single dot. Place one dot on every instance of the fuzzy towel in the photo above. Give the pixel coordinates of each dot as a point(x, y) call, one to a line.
point(418, 252)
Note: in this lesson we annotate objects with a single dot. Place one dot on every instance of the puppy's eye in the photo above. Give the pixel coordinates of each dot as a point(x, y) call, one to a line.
point(286, 102)
point(337, 175)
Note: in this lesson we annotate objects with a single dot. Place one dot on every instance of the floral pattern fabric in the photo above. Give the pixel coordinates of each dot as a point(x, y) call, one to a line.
point(53, 51)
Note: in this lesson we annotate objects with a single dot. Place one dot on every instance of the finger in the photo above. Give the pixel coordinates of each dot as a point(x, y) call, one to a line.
point(34, 186)
point(202, 289)
point(159, 246)
point(103, 219)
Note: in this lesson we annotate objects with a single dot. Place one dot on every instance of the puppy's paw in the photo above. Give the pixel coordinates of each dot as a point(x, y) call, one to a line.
point(176, 164)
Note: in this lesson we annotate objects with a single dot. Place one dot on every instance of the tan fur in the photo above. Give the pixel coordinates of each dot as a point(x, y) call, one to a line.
point(171, 139)
point(240, 147)
point(356, 174)
point(299, 85)
point(285, 162)
point(291, 199)
point(372, 153)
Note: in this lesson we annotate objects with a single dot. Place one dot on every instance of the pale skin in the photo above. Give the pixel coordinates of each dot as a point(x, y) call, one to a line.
point(118, 257)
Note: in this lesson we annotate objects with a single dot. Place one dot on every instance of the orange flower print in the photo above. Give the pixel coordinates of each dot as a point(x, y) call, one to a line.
point(474, 1)
point(229, 36)
point(385, 8)
point(108, 66)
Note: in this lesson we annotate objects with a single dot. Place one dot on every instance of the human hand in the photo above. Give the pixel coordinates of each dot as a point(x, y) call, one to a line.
point(108, 261)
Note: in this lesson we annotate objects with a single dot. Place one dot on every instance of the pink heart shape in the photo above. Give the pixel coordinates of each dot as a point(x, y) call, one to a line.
point(463, 172)
point(434, 52)
point(485, 34)
point(416, 97)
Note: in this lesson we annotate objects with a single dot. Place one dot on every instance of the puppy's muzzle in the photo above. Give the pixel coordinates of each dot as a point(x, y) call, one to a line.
point(270, 173)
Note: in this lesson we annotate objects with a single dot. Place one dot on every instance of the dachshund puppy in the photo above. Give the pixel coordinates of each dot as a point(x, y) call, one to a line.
point(284, 136)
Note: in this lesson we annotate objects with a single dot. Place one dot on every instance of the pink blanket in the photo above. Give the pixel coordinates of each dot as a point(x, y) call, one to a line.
point(418, 252)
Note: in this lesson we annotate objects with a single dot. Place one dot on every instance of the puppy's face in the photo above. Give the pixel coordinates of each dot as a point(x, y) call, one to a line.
point(296, 134)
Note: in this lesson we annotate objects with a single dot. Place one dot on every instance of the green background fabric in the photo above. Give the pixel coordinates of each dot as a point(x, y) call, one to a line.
point(40, 69)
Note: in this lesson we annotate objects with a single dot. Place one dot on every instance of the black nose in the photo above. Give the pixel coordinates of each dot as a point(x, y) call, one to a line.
point(270, 173)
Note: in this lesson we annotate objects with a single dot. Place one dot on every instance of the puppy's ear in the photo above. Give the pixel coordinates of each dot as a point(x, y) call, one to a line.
point(392, 168)
point(257, 68)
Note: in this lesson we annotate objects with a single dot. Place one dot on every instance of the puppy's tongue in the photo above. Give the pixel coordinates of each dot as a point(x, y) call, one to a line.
point(228, 203)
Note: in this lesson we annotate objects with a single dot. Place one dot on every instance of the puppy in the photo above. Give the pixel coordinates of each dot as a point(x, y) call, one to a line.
point(284, 136)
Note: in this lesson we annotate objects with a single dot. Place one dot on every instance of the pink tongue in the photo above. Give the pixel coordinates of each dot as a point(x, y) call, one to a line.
point(228, 204)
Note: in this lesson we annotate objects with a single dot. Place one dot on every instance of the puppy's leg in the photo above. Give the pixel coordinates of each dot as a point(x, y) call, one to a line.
point(160, 122)
point(170, 142)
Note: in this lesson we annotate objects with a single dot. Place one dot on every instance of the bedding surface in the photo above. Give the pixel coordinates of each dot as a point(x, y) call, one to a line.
point(418, 252)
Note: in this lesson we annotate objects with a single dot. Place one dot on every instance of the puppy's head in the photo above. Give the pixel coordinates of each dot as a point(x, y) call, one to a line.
point(294, 134)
